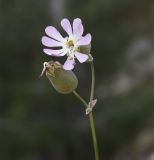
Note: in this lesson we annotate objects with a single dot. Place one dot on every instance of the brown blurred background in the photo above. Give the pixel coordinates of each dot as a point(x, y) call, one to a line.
point(37, 123)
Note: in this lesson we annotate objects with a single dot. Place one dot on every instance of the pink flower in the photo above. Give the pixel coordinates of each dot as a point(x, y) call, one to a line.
point(69, 45)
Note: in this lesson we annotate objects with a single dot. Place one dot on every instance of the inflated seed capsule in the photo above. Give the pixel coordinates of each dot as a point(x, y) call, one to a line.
point(63, 81)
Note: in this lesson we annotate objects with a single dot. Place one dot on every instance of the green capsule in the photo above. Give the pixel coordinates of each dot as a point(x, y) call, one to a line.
point(63, 81)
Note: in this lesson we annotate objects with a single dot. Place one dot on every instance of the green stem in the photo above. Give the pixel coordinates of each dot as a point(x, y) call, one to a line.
point(93, 131)
point(92, 81)
point(91, 119)
point(80, 98)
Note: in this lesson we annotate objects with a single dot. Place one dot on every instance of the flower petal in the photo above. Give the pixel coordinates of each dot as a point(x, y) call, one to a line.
point(50, 42)
point(65, 23)
point(84, 40)
point(69, 64)
point(53, 33)
point(52, 52)
point(63, 53)
point(77, 27)
point(81, 57)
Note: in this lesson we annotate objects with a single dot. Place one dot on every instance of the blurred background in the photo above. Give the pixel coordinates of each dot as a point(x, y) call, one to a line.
point(37, 123)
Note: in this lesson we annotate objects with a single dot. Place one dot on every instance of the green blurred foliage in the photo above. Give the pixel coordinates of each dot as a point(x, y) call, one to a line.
point(37, 123)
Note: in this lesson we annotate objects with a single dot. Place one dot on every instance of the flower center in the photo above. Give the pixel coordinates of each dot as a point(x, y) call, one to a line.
point(70, 44)
point(71, 48)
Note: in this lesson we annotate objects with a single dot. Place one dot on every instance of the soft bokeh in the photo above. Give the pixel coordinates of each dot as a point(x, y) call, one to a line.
point(37, 123)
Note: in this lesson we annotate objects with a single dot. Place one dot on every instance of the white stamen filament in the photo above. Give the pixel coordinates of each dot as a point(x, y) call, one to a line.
point(70, 47)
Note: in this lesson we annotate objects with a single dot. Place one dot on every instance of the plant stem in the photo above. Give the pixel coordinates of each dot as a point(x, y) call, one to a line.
point(80, 98)
point(91, 119)
point(92, 81)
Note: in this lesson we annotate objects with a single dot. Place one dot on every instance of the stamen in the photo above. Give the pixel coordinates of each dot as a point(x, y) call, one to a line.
point(70, 43)
point(44, 68)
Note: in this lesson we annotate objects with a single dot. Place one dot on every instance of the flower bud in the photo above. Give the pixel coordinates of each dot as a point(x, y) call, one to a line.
point(63, 81)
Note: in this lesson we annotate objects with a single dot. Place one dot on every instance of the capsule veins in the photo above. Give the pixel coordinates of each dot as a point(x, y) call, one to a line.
point(63, 81)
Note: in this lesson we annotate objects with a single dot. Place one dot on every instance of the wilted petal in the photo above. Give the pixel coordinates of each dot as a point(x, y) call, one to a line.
point(53, 33)
point(53, 52)
point(77, 27)
point(81, 57)
point(50, 42)
point(65, 23)
point(69, 64)
point(84, 40)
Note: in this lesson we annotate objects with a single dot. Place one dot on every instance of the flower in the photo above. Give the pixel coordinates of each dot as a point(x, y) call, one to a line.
point(69, 45)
